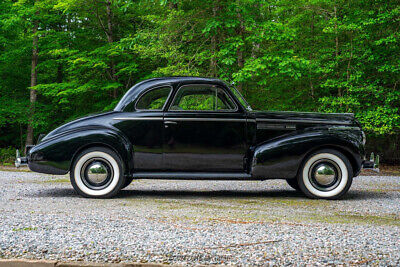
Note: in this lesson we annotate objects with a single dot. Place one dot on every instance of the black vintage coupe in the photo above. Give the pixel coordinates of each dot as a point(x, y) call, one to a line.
point(200, 128)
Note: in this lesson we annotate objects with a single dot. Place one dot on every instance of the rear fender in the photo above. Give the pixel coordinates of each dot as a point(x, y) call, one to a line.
point(56, 155)
point(282, 157)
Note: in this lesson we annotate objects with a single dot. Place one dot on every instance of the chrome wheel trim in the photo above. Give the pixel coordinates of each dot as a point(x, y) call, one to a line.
point(79, 177)
point(334, 191)
point(324, 174)
point(96, 173)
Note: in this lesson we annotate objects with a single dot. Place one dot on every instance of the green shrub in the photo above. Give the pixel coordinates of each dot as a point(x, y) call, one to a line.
point(7, 155)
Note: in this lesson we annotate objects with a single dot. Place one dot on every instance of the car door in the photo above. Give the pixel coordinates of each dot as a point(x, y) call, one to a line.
point(142, 122)
point(204, 131)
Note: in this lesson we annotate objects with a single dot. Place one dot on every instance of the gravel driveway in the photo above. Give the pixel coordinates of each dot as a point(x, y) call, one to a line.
point(200, 222)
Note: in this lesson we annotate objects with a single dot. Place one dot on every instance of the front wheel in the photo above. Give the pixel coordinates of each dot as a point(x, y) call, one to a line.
point(293, 184)
point(325, 174)
point(98, 173)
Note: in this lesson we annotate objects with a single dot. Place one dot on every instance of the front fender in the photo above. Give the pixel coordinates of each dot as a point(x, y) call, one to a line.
point(55, 155)
point(282, 157)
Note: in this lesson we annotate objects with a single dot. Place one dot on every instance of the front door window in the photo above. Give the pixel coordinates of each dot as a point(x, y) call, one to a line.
point(202, 98)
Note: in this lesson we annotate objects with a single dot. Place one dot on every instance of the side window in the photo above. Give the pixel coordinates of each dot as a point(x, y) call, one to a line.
point(202, 98)
point(153, 99)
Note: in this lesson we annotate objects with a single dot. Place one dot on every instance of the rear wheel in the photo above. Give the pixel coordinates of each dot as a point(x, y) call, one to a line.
point(325, 174)
point(98, 173)
point(293, 184)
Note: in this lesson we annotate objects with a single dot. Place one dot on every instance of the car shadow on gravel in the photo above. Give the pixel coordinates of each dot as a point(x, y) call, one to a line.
point(207, 194)
point(354, 195)
point(351, 195)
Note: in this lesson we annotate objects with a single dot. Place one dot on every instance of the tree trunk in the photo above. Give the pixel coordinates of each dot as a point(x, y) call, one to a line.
point(110, 39)
point(213, 60)
point(337, 46)
point(239, 51)
point(33, 94)
point(311, 54)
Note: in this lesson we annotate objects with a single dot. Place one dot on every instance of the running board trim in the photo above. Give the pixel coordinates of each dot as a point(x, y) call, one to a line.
point(191, 175)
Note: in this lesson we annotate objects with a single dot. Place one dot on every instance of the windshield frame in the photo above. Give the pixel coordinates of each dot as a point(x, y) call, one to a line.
point(239, 97)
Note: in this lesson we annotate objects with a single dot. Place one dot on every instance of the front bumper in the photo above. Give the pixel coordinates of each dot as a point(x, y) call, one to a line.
point(372, 164)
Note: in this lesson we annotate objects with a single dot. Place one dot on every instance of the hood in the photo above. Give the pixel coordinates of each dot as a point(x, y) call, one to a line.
point(306, 117)
point(90, 120)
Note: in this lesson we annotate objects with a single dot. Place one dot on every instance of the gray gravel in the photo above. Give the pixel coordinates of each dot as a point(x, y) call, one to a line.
point(200, 222)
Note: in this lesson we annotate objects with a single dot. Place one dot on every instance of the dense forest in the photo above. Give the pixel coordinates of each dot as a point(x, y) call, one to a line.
point(62, 59)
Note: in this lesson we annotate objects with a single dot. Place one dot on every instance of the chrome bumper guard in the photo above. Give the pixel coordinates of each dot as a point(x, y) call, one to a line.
point(372, 164)
point(20, 161)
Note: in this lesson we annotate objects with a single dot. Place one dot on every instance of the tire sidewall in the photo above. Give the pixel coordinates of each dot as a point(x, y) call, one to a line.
point(118, 173)
point(345, 168)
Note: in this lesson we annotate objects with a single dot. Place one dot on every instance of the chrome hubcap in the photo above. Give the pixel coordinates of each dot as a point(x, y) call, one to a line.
point(97, 172)
point(324, 174)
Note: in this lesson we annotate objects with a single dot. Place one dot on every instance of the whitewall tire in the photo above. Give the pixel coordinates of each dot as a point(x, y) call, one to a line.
point(98, 173)
point(325, 174)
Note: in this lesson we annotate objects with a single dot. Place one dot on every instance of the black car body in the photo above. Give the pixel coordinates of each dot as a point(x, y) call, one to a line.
point(223, 139)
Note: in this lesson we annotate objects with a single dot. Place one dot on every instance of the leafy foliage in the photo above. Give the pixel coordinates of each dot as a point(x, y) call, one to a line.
point(307, 55)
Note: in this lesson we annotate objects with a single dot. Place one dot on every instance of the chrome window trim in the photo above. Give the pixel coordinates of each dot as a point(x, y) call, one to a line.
point(148, 91)
point(205, 111)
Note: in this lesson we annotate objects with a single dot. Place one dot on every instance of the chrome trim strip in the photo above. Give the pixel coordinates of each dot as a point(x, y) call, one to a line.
point(345, 128)
point(267, 126)
point(303, 121)
point(204, 119)
point(179, 119)
point(138, 118)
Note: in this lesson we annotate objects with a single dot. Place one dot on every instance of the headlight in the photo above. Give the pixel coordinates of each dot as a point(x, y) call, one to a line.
point(364, 138)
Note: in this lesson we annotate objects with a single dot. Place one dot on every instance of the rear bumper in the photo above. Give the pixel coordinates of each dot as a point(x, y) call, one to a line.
point(20, 161)
point(45, 167)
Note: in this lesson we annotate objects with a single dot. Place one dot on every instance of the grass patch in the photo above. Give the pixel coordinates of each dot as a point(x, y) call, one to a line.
point(355, 219)
point(11, 168)
point(58, 180)
point(24, 229)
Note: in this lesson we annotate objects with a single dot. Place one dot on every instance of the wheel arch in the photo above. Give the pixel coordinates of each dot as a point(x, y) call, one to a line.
point(99, 144)
point(56, 155)
point(349, 155)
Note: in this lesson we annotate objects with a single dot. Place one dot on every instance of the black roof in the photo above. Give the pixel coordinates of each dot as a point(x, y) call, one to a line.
point(173, 81)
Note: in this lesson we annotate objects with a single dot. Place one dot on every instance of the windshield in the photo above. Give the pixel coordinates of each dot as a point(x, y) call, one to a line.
point(240, 98)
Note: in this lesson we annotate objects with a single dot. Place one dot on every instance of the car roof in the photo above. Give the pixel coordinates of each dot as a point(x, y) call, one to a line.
point(179, 79)
point(135, 90)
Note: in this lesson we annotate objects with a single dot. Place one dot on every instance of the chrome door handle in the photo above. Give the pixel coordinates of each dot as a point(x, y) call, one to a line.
point(169, 123)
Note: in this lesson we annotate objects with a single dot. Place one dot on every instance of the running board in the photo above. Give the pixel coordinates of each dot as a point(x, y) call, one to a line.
point(191, 175)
